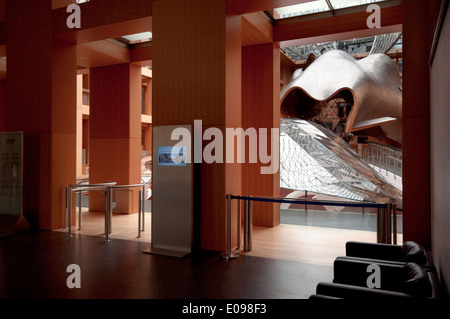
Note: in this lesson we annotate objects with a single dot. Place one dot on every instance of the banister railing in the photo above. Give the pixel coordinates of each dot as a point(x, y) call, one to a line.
point(384, 157)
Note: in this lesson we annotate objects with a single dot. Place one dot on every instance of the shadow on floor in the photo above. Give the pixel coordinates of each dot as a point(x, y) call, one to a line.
point(34, 264)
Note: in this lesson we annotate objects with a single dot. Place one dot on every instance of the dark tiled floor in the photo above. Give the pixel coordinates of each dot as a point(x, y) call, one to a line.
point(33, 265)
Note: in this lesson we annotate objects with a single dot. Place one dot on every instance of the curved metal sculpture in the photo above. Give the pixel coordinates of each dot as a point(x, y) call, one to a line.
point(370, 87)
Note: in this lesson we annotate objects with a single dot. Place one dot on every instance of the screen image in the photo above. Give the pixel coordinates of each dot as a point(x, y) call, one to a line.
point(172, 155)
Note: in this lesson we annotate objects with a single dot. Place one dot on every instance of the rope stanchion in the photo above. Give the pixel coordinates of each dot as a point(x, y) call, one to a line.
point(228, 254)
point(141, 211)
point(248, 225)
point(384, 214)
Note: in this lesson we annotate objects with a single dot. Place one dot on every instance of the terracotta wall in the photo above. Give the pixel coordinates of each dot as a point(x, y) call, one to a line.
point(115, 131)
point(148, 111)
point(261, 109)
point(197, 76)
point(44, 109)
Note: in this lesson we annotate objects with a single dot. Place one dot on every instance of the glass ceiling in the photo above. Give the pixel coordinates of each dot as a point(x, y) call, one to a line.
point(370, 45)
point(320, 6)
point(138, 37)
point(303, 9)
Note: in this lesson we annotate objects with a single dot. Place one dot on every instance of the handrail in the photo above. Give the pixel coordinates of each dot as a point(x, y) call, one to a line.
point(127, 186)
point(384, 157)
point(384, 228)
point(97, 184)
point(310, 202)
point(90, 188)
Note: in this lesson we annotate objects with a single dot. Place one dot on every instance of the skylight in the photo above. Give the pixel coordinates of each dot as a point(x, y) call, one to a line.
point(303, 9)
point(317, 6)
point(138, 37)
point(340, 4)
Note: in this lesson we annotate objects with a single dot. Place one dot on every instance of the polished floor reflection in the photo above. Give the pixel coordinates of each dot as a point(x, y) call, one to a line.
point(33, 265)
point(286, 262)
point(296, 239)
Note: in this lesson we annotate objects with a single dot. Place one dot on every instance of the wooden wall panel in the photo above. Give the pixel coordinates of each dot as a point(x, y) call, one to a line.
point(256, 29)
point(41, 99)
point(30, 107)
point(190, 85)
point(204, 84)
point(260, 5)
point(260, 109)
point(115, 131)
point(2, 10)
point(103, 19)
point(113, 88)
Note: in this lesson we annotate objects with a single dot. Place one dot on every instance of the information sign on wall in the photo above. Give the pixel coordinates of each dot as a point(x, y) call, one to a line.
point(11, 173)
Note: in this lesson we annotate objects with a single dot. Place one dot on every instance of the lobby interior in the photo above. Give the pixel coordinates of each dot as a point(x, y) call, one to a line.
point(218, 61)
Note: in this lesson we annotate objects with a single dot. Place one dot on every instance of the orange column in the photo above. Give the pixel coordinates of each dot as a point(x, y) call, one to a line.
point(115, 133)
point(197, 76)
point(148, 139)
point(148, 111)
point(261, 109)
point(41, 99)
point(416, 122)
point(148, 97)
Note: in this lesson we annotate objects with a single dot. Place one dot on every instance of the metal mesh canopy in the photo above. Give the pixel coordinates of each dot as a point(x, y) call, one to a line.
point(312, 158)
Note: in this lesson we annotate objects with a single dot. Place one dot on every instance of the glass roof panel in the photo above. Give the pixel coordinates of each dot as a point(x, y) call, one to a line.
point(339, 4)
point(316, 6)
point(303, 9)
point(138, 37)
point(369, 45)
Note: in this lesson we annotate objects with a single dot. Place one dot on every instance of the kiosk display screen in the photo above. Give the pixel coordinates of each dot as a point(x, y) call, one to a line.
point(171, 155)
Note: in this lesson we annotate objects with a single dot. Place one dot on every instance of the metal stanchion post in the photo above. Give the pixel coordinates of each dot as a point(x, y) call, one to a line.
point(388, 224)
point(228, 255)
point(248, 226)
point(107, 193)
point(139, 214)
point(383, 224)
point(69, 205)
point(379, 225)
point(238, 224)
point(306, 201)
point(79, 210)
point(143, 207)
point(65, 207)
